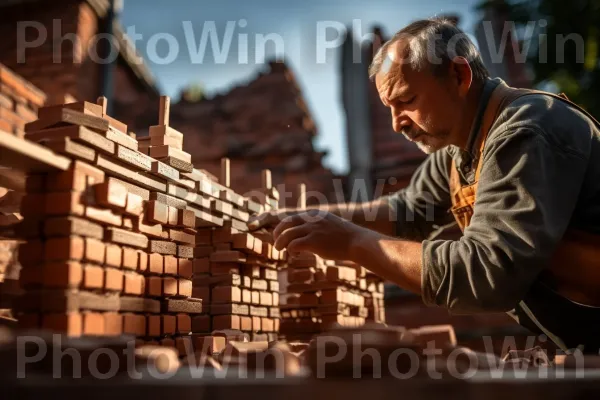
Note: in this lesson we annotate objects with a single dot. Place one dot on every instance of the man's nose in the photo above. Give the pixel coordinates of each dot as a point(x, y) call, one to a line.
point(399, 119)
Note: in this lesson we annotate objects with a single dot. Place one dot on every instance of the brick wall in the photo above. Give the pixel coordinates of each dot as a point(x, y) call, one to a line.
point(52, 65)
point(19, 101)
point(264, 124)
point(67, 72)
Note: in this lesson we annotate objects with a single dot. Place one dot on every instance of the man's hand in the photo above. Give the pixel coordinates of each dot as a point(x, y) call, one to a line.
point(270, 219)
point(322, 233)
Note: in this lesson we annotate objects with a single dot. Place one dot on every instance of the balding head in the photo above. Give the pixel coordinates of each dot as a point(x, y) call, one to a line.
point(429, 44)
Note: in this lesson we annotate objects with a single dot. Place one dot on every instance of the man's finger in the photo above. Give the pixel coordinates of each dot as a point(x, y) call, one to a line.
point(300, 245)
point(290, 234)
point(261, 221)
point(287, 223)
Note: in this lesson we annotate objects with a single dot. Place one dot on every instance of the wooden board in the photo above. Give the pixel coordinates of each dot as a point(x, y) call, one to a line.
point(26, 156)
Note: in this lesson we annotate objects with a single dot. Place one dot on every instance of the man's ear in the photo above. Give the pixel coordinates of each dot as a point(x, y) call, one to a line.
point(461, 74)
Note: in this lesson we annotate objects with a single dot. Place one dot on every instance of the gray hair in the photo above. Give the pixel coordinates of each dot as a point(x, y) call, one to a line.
point(436, 42)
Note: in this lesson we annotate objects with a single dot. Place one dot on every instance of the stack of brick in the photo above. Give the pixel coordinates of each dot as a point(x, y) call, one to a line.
point(321, 293)
point(235, 272)
point(373, 290)
point(109, 251)
point(19, 102)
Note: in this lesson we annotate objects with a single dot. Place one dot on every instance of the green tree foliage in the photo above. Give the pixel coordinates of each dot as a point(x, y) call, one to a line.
point(564, 47)
point(193, 93)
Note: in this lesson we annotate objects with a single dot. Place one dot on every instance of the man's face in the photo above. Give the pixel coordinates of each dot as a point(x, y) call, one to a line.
point(423, 107)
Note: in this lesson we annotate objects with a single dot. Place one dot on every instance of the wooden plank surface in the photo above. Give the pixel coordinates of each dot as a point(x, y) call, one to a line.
point(27, 156)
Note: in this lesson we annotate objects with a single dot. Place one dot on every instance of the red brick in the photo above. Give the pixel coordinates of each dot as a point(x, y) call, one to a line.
point(113, 280)
point(246, 296)
point(256, 324)
point(67, 203)
point(184, 324)
point(255, 297)
point(134, 324)
point(106, 217)
point(156, 263)
point(113, 323)
point(204, 237)
point(154, 286)
point(224, 268)
point(143, 261)
point(185, 268)
point(170, 286)
point(133, 284)
point(266, 299)
point(185, 288)
point(93, 277)
point(114, 255)
point(170, 265)
point(157, 212)
point(162, 247)
point(201, 293)
point(135, 204)
point(172, 216)
point(201, 324)
point(245, 323)
point(223, 235)
point(182, 237)
point(267, 324)
point(66, 181)
point(243, 241)
point(228, 256)
point(185, 251)
point(71, 248)
point(203, 251)
point(130, 258)
point(223, 247)
point(154, 328)
point(225, 322)
point(208, 344)
point(168, 325)
point(201, 265)
point(111, 194)
point(186, 218)
point(94, 251)
point(93, 324)
point(226, 294)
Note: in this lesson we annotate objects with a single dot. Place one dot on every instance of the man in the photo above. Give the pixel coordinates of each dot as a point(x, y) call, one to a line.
point(518, 171)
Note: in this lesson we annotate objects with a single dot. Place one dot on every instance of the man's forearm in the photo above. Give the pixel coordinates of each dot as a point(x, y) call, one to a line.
point(375, 215)
point(396, 260)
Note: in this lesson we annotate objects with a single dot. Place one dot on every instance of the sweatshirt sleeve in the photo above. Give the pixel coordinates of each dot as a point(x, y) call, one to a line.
point(423, 205)
point(527, 191)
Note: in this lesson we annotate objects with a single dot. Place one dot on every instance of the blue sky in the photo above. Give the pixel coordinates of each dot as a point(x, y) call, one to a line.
point(317, 70)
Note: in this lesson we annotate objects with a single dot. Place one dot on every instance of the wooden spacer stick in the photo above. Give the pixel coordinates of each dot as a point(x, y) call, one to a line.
point(164, 111)
point(102, 102)
point(225, 172)
point(267, 182)
point(302, 196)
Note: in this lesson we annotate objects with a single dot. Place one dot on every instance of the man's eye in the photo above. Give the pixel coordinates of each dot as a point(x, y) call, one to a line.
point(409, 101)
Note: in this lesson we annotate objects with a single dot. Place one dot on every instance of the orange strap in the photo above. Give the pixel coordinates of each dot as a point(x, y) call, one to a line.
point(501, 97)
